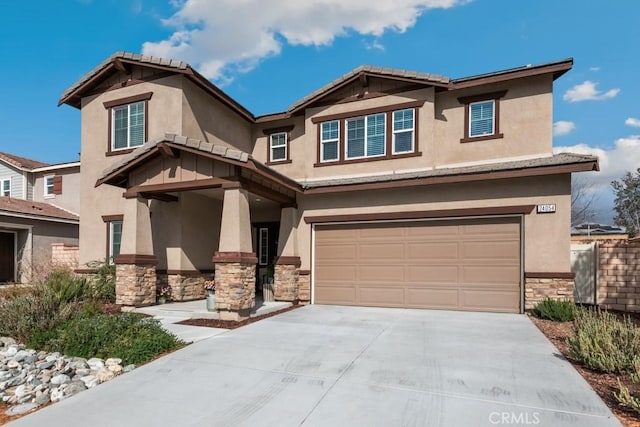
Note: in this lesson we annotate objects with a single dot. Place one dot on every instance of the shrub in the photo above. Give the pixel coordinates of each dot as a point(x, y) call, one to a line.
point(625, 398)
point(604, 343)
point(35, 311)
point(67, 286)
point(129, 336)
point(558, 311)
point(104, 283)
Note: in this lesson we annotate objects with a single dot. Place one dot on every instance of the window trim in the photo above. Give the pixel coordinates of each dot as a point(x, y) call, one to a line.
point(269, 132)
point(271, 148)
point(110, 105)
point(389, 154)
point(467, 101)
point(2, 187)
point(263, 254)
point(48, 195)
point(322, 142)
point(109, 220)
point(366, 143)
point(394, 132)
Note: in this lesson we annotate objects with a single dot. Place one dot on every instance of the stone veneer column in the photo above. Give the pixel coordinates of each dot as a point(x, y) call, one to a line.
point(136, 264)
point(287, 264)
point(304, 286)
point(540, 286)
point(235, 262)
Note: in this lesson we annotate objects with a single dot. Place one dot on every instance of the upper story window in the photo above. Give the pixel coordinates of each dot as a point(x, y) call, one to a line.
point(5, 187)
point(329, 139)
point(127, 126)
point(365, 136)
point(403, 131)
point(128, 119)
point(278, 146)
point(482, 116)
point(48, 185)
point(374, 134)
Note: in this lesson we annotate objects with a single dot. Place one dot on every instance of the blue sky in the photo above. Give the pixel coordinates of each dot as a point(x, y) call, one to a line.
point(269, 53)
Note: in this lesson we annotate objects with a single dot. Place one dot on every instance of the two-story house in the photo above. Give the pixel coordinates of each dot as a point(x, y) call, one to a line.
point(383, 188)
point(39, 206)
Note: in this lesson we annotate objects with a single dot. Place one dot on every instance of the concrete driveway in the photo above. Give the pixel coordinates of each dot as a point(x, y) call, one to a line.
point(347, 366)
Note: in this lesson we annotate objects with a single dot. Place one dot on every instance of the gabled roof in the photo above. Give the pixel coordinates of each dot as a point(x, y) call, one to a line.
point(116, 174)
point(365, 71)
point(556, 164)
point(21, 163)
point(37, 210)
point(120, 61)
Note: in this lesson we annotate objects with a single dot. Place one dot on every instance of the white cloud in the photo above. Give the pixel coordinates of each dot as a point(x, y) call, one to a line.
point(562, 127)
point(374, 45)
point(614, 162)
point(224, 37)
point(587, 92)
point(632, 122)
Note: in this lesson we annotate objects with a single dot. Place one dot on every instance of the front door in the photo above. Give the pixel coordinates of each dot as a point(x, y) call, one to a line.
point(7, 257)
point(266, 248)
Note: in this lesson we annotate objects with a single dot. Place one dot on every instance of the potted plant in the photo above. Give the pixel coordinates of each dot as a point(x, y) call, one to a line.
point(210, 288)
point(164, 294)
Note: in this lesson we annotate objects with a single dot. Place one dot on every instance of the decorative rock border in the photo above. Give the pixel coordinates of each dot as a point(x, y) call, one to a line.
point(38, 377)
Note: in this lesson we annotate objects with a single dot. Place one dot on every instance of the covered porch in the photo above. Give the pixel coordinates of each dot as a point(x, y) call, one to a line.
point(195, 211)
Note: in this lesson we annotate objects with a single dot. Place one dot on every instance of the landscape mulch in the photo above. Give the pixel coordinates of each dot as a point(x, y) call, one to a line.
point(606, 385)
point(230, 324)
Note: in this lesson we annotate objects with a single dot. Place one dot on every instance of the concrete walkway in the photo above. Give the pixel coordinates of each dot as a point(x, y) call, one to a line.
point(174, 312)
point(348, 366)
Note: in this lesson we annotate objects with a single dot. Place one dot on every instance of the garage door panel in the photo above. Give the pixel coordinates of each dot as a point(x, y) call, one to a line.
point(330, 252)
point(381, 273)
point(485, 300)
point(339, 273)
point(444, 298)
point(381, 296)
point(445, 274)
point(446, 264)
point(381, 251)
point(494, 274)
point(433, 250)
point(336, 294)
point(489, 250)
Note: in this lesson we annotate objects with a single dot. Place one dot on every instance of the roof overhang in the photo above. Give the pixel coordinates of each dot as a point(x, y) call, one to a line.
point(38, 217)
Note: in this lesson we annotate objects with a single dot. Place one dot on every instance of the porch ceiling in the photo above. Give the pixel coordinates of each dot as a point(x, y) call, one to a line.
point(235, 169)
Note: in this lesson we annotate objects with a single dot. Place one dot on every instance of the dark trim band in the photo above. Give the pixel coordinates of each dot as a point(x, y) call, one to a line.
point(443, 213)
point(368, 111)
point(288, 260)
point(109, 218)
point(128, 100)
point(235, 257)
point(136, 259)
point(185, 272)
point(549, 275)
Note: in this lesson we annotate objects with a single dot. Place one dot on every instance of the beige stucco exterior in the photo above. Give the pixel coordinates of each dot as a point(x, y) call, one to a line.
point(70, 197)
point(184, 228)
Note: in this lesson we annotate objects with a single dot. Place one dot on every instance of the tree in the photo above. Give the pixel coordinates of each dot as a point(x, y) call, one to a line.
point(582, 200)
point(627, 202)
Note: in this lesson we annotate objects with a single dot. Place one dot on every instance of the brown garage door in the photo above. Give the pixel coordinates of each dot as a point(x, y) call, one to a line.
point(455, 265)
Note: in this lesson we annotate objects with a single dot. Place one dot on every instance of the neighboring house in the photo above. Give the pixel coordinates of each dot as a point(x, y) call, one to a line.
point(39, 205)
point(383, 188)
point(596, 231)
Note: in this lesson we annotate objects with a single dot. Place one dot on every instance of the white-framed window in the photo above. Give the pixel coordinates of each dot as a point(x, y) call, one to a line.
point(482, 118)
point(365, 136)
point(403, 131)
point(263, 246)
point(48, 186)
point(329, 141)
point(278, 146)
point(127, 126)
point(5, 187)
point(115, 238)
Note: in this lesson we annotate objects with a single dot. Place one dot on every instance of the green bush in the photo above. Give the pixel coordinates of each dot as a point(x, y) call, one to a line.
point(128, 336)
point(67, 286)
point(104, 283)
point(625, 398)
point(604, 343)
point(28, 313)
point(558, 311)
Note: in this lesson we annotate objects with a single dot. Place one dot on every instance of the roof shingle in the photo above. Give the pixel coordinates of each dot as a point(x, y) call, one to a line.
point(29, 207)
point(21, 162)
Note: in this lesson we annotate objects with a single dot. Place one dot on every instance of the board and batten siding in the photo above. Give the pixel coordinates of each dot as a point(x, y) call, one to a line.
point(17, 180)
